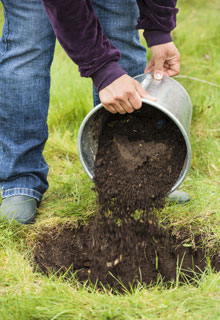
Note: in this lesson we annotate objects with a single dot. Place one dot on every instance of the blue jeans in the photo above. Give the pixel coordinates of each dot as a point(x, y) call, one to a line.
point(26, 54)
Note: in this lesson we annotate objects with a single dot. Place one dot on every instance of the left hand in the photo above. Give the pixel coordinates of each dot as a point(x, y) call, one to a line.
point(123, 95)
point(165, 60)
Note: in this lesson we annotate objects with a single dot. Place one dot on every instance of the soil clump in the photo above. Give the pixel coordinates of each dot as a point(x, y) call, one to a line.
point(139, 159)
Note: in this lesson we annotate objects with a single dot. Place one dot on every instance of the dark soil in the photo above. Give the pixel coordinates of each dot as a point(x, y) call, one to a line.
point(148, 253)
point(139, 159)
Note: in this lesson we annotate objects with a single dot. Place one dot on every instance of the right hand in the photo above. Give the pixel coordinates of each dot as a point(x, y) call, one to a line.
point(165, 60)
point(123, 95)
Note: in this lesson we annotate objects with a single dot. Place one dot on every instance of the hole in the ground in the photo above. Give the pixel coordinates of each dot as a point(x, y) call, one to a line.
point(138, 257)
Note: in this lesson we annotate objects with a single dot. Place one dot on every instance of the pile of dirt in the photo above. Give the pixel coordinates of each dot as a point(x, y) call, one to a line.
point(140, 157)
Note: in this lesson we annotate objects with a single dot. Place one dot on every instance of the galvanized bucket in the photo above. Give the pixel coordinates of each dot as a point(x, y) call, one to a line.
point(172, 99)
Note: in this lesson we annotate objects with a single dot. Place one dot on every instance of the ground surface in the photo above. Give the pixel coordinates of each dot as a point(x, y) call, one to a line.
point(70, 200)
point(139, 159)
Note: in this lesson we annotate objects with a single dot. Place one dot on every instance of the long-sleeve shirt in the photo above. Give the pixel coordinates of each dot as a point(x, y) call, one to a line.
point(81, 35)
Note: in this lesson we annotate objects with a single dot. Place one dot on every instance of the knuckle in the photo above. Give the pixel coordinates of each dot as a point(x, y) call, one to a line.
point(104, 101)
point(130, 92)
point(160, 56)
point(123, 96)
point(118, 97)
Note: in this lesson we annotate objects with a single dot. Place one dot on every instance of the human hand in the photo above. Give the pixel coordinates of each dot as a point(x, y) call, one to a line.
point(165, 60)
point(123, 95)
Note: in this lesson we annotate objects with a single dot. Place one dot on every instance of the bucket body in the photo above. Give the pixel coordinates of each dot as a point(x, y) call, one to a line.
point(172, 99)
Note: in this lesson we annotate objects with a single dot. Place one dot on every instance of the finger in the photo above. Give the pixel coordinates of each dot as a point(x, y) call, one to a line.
point(158, 68)
point(127, 106)
point(171, 72)
point(111, 105)
point(135, 101)
point(110, 108)
point(174, 67)
point(166, 72)
point(119, 108)
point(149, 67)
point(143, 93)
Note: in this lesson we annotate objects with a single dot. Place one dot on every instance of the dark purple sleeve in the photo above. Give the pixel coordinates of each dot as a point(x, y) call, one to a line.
point(80, 34)
point(158, 19)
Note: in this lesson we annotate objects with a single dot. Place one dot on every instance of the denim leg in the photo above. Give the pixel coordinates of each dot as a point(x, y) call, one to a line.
point(26, 53)
point(119, 19)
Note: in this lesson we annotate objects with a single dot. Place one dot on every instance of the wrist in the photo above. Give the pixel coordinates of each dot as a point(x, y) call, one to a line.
point(107, 74)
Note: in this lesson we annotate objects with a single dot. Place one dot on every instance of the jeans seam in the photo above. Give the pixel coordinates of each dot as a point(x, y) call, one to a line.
point(1, 153)
point(6, 23)
point(22, 189)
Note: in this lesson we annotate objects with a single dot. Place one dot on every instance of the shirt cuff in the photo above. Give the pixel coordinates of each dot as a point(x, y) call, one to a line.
point(107, 74)
point(156, 37)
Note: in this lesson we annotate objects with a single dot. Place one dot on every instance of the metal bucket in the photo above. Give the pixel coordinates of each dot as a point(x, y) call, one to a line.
point(172, 99)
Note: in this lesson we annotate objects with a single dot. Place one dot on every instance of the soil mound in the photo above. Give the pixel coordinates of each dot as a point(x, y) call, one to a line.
point(139, 159)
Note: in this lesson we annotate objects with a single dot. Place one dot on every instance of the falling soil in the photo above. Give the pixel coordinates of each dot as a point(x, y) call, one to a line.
point(139, 159)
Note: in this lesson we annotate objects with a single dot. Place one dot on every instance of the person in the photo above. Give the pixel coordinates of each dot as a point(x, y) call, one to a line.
point(102, 39)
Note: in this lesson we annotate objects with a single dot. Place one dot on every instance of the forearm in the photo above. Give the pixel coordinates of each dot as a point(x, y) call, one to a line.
point(80, 34)
point(158, 19)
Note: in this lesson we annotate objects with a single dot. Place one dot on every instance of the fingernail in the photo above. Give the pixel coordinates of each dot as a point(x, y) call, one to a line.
point(158, 76)
point(151, 98)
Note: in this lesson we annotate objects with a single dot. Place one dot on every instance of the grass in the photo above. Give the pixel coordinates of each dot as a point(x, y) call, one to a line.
point(28, 295)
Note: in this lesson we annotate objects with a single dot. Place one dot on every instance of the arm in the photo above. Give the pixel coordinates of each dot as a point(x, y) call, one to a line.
point(158, 19)
point(80, 34)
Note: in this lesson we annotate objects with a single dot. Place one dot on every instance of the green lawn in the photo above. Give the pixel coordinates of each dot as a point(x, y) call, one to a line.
point(28, 295)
